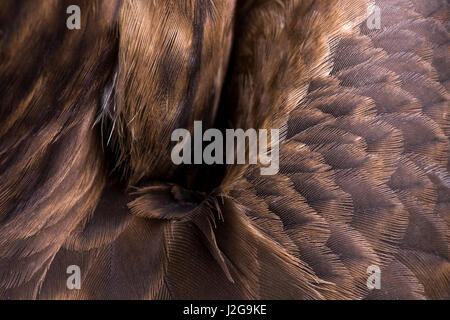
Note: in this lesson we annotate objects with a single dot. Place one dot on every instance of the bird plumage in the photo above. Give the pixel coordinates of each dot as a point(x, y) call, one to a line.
point(86, 177)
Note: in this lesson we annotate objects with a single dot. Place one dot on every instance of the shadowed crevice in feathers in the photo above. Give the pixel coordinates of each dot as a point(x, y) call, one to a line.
point(193, 69)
